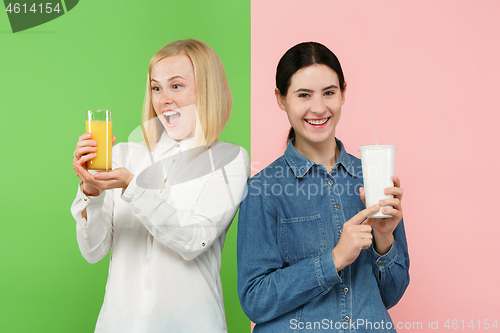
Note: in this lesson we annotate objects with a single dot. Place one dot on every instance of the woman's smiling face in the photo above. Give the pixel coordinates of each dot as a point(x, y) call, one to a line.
point(313, 104)
point(174, 95)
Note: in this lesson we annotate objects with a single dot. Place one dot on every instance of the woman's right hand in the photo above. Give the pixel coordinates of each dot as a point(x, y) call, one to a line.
point(85, 151)
point(355, 237)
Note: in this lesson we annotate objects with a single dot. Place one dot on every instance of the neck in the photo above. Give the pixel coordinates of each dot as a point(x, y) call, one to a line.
point(325, 153)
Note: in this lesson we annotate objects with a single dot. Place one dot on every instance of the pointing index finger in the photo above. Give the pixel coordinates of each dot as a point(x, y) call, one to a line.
point(359, 217)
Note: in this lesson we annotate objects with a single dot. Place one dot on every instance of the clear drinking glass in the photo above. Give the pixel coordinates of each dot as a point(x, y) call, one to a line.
point(99, 123)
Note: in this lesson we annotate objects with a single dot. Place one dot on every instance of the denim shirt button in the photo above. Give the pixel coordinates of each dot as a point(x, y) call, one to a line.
point(346, 318)
point(346, 290)
point(381, 262)
point(330, 182)
point(337, 206)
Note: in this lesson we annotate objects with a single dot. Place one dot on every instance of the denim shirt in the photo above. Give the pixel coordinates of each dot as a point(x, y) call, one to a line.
point(289, 223)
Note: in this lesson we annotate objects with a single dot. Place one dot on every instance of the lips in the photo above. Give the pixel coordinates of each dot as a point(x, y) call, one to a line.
point(172, 118)
point(318, 123)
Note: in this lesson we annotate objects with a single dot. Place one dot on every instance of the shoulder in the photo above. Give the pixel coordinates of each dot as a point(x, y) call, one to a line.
point(221, 146)
point(274, 173)
point(356, 162)
point(260, 187)
point(226, 152)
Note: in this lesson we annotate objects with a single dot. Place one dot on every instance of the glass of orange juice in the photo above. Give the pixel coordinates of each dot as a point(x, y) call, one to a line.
point(100, 124)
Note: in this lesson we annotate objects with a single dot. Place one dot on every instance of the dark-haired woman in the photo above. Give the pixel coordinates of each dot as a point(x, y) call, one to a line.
point(309, 258)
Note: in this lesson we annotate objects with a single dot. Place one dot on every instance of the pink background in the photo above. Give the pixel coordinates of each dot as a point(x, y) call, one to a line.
point(427, 73)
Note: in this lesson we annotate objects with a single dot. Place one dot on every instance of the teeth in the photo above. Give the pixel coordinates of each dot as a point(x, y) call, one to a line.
point(317, 122)
point(170, 113)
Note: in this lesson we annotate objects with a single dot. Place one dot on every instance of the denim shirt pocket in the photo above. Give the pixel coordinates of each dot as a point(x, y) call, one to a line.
point(302, 237)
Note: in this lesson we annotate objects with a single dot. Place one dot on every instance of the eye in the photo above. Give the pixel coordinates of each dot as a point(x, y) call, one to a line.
point(155, 88)
point(303, 95)
point(176, 86)
point(329, 93)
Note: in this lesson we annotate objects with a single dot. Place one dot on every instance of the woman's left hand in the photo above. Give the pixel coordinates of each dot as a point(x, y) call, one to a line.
point(383, 228)
point(105, 180)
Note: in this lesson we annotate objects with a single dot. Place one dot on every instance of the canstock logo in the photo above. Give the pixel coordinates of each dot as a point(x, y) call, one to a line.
point(28, 14)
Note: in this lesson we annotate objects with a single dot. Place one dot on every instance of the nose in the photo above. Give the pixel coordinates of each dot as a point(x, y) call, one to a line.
point(318, 104)
point(165, 97)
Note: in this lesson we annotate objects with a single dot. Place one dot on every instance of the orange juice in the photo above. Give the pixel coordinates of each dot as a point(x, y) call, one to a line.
point(101, 132)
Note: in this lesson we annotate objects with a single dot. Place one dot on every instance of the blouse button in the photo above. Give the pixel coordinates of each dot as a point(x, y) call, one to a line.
point(381, 262)
point(337, 206)
point(346, 290)
point(84, 199)
point(346, 318)
point(330, 182)
point(203, 244)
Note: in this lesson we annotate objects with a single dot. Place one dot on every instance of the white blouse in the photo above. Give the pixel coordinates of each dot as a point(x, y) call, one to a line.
point(166, 232)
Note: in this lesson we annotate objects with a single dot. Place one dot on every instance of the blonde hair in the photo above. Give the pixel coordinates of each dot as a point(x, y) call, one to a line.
point(213, 100)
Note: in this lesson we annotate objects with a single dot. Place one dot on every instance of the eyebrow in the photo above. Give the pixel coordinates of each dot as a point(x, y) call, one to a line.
point(311, 91)
point(171, 78)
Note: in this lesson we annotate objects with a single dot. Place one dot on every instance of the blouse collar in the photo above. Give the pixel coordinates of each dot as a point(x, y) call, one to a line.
point(166, 144)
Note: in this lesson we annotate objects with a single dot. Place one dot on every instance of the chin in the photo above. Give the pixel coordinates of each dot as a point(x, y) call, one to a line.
point(177, 136)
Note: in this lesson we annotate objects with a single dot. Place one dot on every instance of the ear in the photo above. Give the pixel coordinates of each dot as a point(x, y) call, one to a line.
point(280, 99)
point(343, 93)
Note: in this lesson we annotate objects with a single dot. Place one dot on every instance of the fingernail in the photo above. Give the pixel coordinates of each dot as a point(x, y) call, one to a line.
point(382, 202)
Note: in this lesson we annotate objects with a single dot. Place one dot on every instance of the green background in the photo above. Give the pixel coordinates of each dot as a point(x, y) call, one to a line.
point(94, 57)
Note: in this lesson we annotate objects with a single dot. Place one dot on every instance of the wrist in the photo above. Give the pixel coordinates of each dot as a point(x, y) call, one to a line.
point(130, 177)
point(127, 182)
point(90, 191)
point(382, 244)
point(339, 264)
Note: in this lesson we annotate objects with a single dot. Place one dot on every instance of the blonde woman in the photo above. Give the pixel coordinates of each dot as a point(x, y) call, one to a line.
point(167, 204)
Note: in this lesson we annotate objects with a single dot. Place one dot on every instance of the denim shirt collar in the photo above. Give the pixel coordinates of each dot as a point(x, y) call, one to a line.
point(300, 165)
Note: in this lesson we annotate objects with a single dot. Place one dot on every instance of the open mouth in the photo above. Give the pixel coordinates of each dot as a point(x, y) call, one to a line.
point(172, 118)
point(317, 122)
